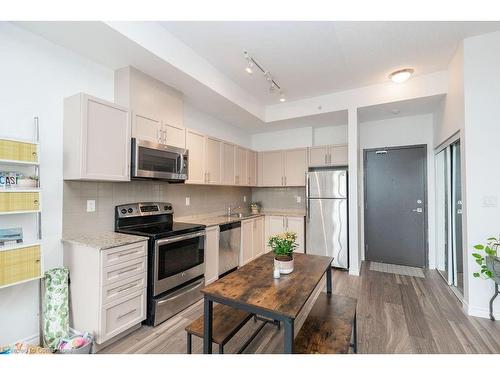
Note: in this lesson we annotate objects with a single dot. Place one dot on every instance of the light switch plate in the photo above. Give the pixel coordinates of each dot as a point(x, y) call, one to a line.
point(298, 198)
point(188, 201)
point(490, 201)
point(90, 205)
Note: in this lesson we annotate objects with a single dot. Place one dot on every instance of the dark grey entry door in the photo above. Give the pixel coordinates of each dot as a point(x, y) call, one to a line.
point(395, 205)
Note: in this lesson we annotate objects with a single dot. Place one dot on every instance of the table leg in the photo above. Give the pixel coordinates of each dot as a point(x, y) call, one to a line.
point(288, 325)
point(329, 280)
point(207, 326)
point(491, 302)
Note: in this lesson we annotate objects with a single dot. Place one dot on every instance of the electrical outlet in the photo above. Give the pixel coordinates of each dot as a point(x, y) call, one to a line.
point(91, 205)
point(298, 198)
point(244, 198)
point(188, 201)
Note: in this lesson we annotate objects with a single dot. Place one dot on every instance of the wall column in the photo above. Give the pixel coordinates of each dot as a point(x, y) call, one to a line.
point(353, 155)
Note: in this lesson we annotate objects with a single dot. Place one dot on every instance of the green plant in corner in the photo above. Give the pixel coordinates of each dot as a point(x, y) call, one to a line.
point(490, 249)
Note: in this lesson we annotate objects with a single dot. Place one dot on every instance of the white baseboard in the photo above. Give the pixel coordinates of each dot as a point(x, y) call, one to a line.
point(354, 271)
point(480, 312)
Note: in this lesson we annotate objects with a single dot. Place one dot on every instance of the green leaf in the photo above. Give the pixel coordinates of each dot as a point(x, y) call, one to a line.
point(479, 247)
point(476, 255)
point(476, 274)
point(490, 252)
point(492, 239)
point(489, 274)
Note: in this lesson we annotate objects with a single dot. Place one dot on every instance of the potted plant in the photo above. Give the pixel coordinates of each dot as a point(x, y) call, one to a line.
point(489, 263)
point(255, 207)
point(282, 246)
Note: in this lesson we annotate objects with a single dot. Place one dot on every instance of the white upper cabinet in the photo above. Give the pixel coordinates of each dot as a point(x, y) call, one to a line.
point(240, 165)
point(228, 163)
point(195, 143)
point(155, 101)
point(282, 168)
point(213, 150)
point(295, 167)
point(96, 140)
point(174, 135)
point(338, 155)
point(252, 168)
point(271, 167)
point(322, 156)
point(318, 156)
point(147, 128)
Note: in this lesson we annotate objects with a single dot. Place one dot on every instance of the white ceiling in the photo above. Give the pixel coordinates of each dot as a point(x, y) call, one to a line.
point(414, 107)
point(314, 58)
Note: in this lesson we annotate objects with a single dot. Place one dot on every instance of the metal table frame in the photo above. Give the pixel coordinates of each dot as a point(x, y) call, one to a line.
point(288, 322)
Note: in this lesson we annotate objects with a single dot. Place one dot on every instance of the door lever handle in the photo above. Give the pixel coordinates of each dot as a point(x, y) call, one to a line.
point(419, 210)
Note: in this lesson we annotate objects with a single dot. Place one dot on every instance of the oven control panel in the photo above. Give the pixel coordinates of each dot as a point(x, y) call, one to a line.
point(144, 209)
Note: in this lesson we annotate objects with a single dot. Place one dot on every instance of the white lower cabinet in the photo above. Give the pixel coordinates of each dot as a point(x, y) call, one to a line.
point(246, 253)
point(280, 224)
point(211, 254)
point(107, 287)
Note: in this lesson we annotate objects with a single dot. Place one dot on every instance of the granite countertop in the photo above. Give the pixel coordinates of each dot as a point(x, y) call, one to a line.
point(220, 218)
point(103, 240)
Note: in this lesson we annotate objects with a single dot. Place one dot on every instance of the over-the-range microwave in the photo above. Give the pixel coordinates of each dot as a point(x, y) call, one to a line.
point(158, 161)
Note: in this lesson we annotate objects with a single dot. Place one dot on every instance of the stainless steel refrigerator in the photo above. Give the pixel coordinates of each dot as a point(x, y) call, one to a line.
point(326, 220)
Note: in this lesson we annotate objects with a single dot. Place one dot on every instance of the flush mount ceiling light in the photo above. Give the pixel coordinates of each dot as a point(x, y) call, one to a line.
point(399, 76)
point(274, 87)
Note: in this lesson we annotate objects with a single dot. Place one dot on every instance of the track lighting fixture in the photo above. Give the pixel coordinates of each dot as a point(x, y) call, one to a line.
point(274, 88)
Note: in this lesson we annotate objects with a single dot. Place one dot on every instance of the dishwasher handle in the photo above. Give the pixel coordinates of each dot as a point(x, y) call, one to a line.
point(229, 226)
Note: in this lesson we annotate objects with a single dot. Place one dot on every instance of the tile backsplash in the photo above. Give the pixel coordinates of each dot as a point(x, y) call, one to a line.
point(280, 198)
point(107, 195)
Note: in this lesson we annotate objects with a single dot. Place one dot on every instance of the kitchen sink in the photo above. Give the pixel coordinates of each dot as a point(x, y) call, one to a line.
point(237, 215)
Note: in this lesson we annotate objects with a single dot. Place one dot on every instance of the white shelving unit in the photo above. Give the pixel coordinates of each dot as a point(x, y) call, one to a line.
point(29, 240)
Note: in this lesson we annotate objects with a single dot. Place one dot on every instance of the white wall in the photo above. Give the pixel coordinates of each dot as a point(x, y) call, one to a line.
point(300, 137)
point(35, 76)
point(403, 131)
point(450, 117)
point(206, 124)
point(482, 131)
point(330, 135)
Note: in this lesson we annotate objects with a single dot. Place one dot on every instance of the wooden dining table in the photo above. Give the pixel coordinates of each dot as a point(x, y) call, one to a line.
point(253, 288)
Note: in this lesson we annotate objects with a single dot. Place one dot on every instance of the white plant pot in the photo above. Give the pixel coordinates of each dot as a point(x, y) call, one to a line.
point(285, 267)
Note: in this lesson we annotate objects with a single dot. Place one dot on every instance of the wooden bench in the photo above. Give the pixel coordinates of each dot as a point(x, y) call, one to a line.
point(227, 321)
point(329, 327)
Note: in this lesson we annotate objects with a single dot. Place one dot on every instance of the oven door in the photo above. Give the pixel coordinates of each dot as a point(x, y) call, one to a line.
point(155, 160)
point(178, 260)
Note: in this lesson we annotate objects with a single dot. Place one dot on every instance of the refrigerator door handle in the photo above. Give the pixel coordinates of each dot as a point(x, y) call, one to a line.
point(308, 216)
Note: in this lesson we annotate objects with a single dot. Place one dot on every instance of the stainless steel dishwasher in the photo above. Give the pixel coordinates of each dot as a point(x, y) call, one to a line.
point(229, 247)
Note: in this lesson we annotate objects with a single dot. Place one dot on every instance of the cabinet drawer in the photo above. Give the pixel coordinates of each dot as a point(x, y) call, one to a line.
point(12, 150)
point(19, 264)
point(123, 271)
point(19, 201)
point(112, 292)
point(117, 255)
point(120, 315)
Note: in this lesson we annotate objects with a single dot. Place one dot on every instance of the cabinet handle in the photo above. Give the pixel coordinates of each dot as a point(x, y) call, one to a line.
point(129, 253)
point(124, 315)
point(128, 270)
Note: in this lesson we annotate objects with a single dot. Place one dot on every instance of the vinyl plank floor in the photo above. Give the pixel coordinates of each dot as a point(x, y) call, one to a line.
point(396, 312)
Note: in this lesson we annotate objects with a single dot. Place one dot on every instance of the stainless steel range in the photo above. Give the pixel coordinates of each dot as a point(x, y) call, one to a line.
point(176, 255)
